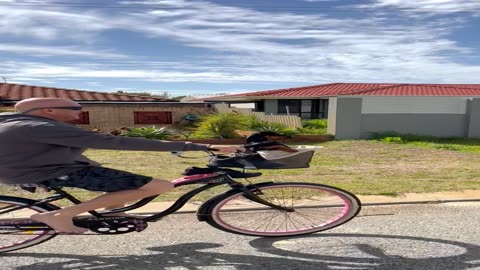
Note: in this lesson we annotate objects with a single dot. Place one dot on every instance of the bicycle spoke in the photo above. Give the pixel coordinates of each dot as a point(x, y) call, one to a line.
point(16, 232)
point(311, 208)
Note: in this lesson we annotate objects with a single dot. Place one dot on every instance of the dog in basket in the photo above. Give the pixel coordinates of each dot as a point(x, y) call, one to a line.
point(267, 140)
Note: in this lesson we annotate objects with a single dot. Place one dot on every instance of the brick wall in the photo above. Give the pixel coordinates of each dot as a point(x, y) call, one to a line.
point(108, 117)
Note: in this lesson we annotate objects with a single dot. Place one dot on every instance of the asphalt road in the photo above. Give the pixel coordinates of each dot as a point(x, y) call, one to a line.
point(428, 236)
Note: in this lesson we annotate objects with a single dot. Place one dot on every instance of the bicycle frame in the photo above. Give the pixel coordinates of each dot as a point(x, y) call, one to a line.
point(209, 180)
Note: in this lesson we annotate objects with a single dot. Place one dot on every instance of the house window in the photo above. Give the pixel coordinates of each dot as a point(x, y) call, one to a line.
point(145, 117)
point(84, 119)
point(290, 106)
point(305, 108)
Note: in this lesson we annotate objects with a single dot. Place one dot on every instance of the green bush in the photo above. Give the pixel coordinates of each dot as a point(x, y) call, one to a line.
point(221, 125)
point(311, 131)
point(396, 139)
point(315, 123)
point(314, 127)
point(258, 125)
point(148, 133)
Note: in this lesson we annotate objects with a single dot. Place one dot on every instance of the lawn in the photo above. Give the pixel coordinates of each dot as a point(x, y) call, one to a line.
point(362, 167)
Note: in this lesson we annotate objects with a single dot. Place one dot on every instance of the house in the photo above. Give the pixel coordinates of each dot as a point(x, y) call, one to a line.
point(358, 110)
point(108, 111)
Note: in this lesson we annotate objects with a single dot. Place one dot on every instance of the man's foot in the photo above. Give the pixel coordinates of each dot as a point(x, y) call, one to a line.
point(60, 223)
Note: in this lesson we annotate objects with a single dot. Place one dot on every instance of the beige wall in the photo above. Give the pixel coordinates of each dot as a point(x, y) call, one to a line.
point(108, 117)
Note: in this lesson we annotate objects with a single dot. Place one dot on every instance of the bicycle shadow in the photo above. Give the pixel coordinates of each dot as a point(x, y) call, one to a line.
point(355, 251)
point(375, 251)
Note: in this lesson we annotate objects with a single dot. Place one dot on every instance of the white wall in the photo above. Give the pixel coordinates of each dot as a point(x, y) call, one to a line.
point(394, 105)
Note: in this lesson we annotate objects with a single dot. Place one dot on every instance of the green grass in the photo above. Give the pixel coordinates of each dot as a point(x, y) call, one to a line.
point(452, 144)
point(370, 167)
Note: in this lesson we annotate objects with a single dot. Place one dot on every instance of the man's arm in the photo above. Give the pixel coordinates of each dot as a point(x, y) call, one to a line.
point(64, 134)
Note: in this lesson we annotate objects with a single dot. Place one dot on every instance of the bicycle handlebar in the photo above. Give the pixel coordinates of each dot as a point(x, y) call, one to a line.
point(209, 151)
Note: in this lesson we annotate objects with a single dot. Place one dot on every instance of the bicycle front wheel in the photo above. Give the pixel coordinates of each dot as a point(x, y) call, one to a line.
point(313, 208)
point(12, 213)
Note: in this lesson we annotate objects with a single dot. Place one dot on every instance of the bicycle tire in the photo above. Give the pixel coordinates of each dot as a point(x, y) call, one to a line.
point(13, 239)
point(233, 212)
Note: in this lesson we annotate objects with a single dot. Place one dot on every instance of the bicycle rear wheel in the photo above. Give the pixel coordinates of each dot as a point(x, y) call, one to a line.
point(315, 208)
point(12, 238)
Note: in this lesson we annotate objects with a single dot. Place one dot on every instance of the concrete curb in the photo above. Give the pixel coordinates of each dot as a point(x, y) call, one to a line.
point(409, 198)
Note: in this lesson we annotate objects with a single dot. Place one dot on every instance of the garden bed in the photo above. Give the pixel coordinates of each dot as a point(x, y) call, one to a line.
point(295, 139)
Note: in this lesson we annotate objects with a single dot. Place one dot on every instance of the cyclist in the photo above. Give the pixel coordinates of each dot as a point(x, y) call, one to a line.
point(37, 145)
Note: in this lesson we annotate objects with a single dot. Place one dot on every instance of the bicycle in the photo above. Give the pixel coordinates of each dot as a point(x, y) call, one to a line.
point(265, 209)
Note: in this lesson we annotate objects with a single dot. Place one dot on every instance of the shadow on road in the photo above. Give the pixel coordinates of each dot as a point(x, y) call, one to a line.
point(325, 251)
point(374, 251)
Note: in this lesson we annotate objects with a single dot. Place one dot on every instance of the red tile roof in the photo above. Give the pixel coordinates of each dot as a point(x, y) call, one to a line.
point(423, 90)
point(371, 89)
point(15, 92)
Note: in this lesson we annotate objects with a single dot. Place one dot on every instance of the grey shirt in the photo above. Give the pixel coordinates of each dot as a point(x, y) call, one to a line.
point(34, 149)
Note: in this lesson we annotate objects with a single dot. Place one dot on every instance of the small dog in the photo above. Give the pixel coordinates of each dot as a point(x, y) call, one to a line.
point(267, 140)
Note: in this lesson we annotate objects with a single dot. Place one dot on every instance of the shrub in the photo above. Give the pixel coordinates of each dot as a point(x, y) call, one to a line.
point(314, 126)
point(396, 139)
point(221, 125)
point(258, 125)
point(315, 123)
point(311, 131)
point(148, 133)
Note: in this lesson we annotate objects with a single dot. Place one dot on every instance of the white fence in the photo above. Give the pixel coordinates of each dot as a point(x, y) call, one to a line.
point(292, 121)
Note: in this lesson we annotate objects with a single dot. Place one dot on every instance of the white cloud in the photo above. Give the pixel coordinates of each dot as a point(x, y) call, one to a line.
point(244, 45)
point(49, 23)
point(44, 51)
point(431, 6)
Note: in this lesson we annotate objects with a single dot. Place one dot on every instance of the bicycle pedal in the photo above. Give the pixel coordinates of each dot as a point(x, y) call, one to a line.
point(111, 225)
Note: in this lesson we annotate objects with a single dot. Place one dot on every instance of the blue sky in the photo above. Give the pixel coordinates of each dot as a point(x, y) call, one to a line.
point(201, 48)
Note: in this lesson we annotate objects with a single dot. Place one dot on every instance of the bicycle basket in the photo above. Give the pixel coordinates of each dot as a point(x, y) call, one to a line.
point(267, 160)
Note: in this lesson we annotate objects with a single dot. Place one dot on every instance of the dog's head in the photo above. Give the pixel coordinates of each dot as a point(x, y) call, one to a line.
point(266, 136)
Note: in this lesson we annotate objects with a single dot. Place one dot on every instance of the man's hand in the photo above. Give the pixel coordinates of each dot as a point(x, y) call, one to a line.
point(225, 149)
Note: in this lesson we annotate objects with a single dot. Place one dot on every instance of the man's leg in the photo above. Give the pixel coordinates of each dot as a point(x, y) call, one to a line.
point(61, 220)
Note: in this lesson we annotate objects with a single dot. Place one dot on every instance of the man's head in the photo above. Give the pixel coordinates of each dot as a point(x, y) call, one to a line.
point(59, 109)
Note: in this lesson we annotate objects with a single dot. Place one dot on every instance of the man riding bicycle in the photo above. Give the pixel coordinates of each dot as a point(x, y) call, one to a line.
point(37, 145)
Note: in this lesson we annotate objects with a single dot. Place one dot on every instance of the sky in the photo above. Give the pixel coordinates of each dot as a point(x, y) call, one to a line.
point(202, 48)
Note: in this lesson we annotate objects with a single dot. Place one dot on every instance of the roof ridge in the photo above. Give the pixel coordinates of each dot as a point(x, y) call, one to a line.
point(410, 84)
point(269, 91)
point(376, 88)
point(450, 85)
point(83, 91)
point(293, 88)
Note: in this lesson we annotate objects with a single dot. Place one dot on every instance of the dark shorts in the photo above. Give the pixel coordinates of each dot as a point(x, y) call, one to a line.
point(99, 179)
